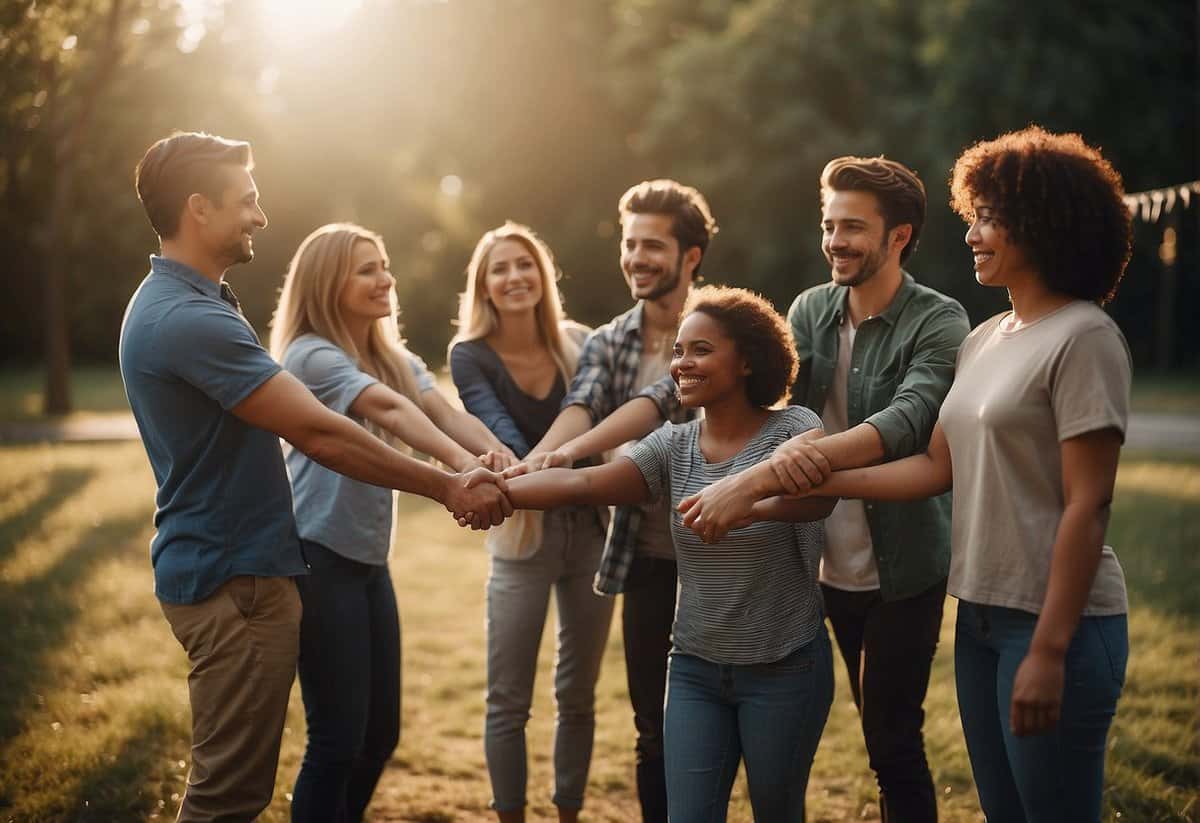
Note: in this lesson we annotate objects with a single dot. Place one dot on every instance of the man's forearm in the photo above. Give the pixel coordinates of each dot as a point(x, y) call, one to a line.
point(632, 421)
point(853, 448)
point(571, 422)
point(345, 447)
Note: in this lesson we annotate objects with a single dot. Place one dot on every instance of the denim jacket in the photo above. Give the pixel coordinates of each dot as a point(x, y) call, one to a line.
point(900, 371)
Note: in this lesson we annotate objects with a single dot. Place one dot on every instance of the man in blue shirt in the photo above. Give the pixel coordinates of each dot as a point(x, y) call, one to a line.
point(211, 405)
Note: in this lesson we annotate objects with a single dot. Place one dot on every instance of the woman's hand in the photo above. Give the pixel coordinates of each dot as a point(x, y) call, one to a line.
point(1037, 693)
point(560, 458)
point(498, 461)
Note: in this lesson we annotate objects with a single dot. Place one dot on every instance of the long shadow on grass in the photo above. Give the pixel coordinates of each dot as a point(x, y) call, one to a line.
point(115, 789)
point(61, 486)
point(1155, 537)
point(38, 614)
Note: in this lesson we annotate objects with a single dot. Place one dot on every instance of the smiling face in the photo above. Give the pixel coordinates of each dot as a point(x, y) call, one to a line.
point(706, 363)
point(229, 225)
point(854, 239)
point(998, 260)
point(366, 293)
point(512, 279)
point(651, 259)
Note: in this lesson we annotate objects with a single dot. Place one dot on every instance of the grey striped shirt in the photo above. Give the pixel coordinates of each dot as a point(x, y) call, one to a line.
point(753, 597)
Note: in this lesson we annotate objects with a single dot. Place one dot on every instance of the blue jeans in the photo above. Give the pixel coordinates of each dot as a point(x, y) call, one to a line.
point(1057, 776)
point(350, 681)
point(769, 714)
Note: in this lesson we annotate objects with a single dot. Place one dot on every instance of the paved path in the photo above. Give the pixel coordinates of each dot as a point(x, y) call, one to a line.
point(1178, 433)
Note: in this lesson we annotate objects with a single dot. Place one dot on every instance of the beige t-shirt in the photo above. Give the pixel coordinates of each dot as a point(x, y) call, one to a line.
point(848, 562)
point(1016, 396)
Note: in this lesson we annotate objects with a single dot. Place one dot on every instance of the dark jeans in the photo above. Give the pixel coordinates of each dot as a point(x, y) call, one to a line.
point(769, 715)
point(888, 647)
point(350, 680)
point(647, 613)
point(1057, 777)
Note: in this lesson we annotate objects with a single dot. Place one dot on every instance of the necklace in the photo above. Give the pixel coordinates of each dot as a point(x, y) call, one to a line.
point(656, 343)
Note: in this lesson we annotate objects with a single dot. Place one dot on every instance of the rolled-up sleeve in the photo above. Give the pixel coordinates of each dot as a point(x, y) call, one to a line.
point(907, 423)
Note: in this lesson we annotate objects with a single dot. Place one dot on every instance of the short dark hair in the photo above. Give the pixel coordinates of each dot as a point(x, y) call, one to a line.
point(762, 336)
point(900, 192)
point(1061, 203)
point(186, 163)
point(692, 223)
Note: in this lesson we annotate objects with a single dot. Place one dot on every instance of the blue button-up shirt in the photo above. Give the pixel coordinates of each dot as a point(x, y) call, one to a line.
point(224, 506)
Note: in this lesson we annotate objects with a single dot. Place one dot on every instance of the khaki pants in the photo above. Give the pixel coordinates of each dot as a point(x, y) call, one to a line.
point(242, 643)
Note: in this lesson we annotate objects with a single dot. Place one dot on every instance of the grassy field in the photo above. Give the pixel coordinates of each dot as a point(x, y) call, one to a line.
point(93, 702)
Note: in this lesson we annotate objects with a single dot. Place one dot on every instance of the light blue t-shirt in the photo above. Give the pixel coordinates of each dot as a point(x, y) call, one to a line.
point(344, 515)
point(224, 506)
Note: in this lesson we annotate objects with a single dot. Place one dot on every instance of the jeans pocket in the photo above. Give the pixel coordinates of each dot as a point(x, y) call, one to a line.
point(800, 661)
point(1113, 634)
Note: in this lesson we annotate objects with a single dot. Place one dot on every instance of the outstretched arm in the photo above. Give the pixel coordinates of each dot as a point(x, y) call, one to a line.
point(284, 406)
point(793, 509)
point(913, 478)
point(631, 421)
point(465, 429)
point(395, 413)
point(619, 483)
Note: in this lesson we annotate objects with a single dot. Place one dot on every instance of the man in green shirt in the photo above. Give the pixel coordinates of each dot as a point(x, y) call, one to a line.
point(877, 353)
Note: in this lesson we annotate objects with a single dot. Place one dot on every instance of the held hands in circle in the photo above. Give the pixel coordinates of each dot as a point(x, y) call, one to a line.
point(477, 498)
point(798, 466)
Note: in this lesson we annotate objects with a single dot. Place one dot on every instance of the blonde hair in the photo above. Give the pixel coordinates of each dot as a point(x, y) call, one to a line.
point(309, 303)
point(477, 316)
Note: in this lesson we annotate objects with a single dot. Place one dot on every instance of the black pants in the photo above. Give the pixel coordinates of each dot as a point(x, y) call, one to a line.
point(350, 681)
point(888, 648)
point(647, 613)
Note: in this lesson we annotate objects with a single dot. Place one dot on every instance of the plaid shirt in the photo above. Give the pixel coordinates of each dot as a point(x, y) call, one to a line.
point(605, 379)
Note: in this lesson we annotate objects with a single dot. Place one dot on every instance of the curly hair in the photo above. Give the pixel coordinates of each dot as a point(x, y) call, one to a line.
point(899, 190)
point(1061, 203)
point(761, 334)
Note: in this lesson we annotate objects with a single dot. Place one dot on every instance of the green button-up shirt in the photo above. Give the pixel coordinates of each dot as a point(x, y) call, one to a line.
point(901, 367)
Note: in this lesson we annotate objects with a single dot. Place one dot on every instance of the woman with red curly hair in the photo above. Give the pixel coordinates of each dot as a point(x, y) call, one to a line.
point(1033, 427)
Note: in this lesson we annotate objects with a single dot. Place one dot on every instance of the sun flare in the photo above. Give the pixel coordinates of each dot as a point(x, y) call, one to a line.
point(294, 21)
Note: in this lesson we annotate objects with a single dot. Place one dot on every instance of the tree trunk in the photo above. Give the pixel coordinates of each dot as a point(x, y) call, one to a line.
point(56, 251)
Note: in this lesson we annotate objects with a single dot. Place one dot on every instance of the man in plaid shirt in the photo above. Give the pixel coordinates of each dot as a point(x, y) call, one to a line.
point(623, 380)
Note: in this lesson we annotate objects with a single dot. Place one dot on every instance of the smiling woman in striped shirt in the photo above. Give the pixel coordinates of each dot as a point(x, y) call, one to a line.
point(750, 673)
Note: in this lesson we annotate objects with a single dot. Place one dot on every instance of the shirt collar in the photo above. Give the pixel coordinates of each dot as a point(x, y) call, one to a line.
point(889, 315)
point(181, 271)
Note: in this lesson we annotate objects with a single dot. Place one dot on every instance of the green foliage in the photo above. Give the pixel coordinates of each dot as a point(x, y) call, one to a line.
point(547, 111)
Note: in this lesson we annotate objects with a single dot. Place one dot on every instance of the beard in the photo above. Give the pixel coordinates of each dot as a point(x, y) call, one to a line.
point(667, 283)
point(868, 266)
point(238, 252)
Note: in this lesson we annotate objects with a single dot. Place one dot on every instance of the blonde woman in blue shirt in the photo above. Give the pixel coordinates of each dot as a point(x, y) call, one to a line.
point(512, 361)
point(335, 328)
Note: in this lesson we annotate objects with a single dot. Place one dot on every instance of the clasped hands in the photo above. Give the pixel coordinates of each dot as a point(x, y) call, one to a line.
point(477, 494)
point(795, 469)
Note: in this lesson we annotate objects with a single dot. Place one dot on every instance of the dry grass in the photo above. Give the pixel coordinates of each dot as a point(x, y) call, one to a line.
point(93, 703)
